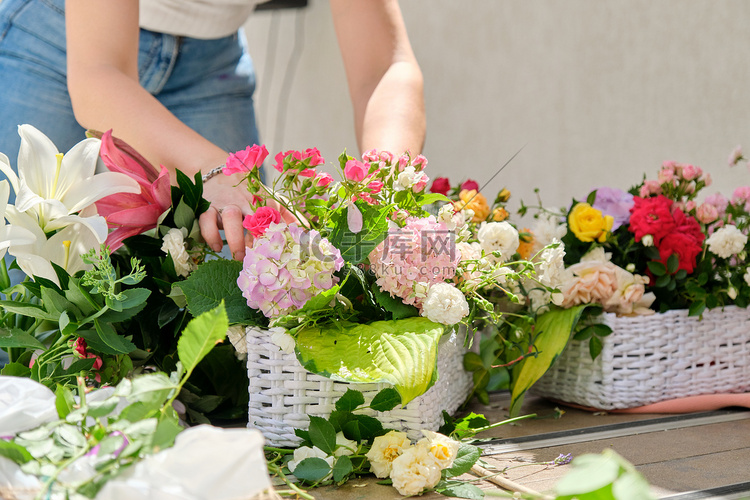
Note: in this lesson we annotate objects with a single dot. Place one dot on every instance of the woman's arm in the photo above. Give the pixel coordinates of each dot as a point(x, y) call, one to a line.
point(102, 44)
point(385, 82)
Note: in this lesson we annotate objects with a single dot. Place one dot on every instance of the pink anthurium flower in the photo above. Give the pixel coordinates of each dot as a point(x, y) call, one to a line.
point(130, 214)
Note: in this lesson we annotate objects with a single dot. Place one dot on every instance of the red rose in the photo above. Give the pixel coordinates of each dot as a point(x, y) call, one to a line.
point(470, 185)
point(688, 225)
point(258, 222)
point(682, 244)
point(651, 216)
point(440, 185)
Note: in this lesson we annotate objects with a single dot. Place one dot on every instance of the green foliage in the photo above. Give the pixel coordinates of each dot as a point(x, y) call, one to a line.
point(607, 476)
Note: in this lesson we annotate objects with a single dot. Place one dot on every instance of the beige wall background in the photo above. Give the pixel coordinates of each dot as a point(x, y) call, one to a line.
point(596, 92)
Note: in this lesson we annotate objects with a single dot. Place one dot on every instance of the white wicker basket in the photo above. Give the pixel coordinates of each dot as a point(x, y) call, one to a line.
point(283, 394)
point(648, 359)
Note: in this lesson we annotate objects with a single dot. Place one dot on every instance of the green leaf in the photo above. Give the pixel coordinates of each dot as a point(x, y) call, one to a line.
point(673, 262)
point(212, 282)
point(553, 331)
point(15, 452)
point(584, 333)
point(30, 310)
point(430, 198)
point(657, 268)
point(681, 274)
point(355, 247)
point(350, 400)
point(473, 362)
point(115, 344)
point(393, 305)
point(386, 400)
point(322, 434)
point(183, 215)
point(697, 308)
point(71, 435)
point(102, 408)
point(63, 401)
point(165, 434)
point(136, 411)
point(15, 370)
point(602, 330)
point(312, 469)
point(342, 468)
point(402, 353)
point(56, 304)
point(466, 457)
point(459, 489)
point(152, 389)
point(662, 281)
point(15, 337)
point(200, 336)
point(595, 347)
point(339, 418)
point(362, 428)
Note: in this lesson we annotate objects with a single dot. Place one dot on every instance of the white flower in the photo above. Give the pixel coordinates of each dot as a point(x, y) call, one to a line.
point(445, 304)
point(238, 337)
point(173, 244)
point(344, 446)
point(63, 248)
point(415, 470)
point(547, 229)
point(443, 448)
point(384, 450)
point(280, 337)
point(498, 236)
point(747, 276)
point(446, 216)
point(726, 241)
point(647, 240)
point(732, 292)
point(51, 185)
point(10, 235)
point(304, 452)
point(551, 264)
point(407, 178)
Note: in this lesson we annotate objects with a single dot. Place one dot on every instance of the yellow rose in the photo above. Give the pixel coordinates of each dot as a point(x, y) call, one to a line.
point(499, 214)
point(588, 224)
point(472, 200)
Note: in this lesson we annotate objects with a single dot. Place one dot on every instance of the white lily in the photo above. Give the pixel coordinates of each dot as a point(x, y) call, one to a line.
point(64, 248)
point(9, 234)
point(53, 185)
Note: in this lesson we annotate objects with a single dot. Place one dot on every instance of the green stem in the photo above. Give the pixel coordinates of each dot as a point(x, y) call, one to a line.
point(498, 424)
point(278, 450)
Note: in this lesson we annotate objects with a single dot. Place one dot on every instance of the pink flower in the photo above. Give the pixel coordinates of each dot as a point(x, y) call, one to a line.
point(691, 172)
point(707, 181)
point(421, 183)
point(589, 282)
point(308, 172)
point(470, 185)
point(420, 162)
point(741, 195)
point(690, 206)
point(707, 213)
point(127, 213)
point(649, 188)
point(355, 170)
point(375, 186)
point(719, 201)
point(370, 155)
point(666, 175)
point(246, 160)
point(735, 156)
point(297, 159)
point(323, 179)
point(258, 222)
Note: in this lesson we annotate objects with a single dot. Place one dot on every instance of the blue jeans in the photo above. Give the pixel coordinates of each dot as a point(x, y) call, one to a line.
point(208, 84)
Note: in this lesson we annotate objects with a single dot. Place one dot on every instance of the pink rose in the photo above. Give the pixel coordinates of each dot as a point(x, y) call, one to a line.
point(308, 172)
point(246, 160)
point(323, 179)
point(421, 183)
point(649, 188)
point(707, 180)
point(258, 222)
point(590, 282)
point(420, 162)
point(403, 162)
point(355, 170)
point(719, 201)
point(707, 213)
point(666, 175)
point(370, 156)
point(313, 155)
point(691, 172)
point(440, 185)
point(386, 156)
point(470, 185)
point(689, 206)
point(375, 186)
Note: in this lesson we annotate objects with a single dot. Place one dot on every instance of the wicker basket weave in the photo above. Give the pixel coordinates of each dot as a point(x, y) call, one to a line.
point(648, 359)
point(283, 394)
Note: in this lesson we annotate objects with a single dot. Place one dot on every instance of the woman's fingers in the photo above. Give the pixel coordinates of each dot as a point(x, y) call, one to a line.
point(209, 225)
point(231, 217)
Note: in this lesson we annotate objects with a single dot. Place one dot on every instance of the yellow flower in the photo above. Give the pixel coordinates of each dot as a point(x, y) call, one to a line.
point(472, 200)
point(503, 196)
point(499, 214)
point(385, 449)
point(526, 243)
point(588, 224)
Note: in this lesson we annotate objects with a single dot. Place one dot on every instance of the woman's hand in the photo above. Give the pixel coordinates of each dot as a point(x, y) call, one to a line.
point(230, 203)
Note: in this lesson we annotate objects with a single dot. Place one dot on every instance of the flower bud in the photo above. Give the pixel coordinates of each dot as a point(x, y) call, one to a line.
point(647, 240)
point(630, 268)
point(732, 293)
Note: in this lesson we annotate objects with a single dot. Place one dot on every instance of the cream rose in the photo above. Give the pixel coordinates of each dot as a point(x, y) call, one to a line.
point(415, 470)
point(498, 236)
point(726, 241)
point(173, 244)
point(384, 450)
point(445, 304)
point(443, 448)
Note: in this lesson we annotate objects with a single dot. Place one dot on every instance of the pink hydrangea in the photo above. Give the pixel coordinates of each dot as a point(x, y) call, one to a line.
point(420, 254)
point(286, 267)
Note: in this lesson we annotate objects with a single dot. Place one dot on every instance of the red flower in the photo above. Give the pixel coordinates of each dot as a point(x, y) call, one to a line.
point(688, 225)
point(651, 216)
point(440, 185)
point(127, 213)
point(246, 160)
point(470, 185)
point(684, 245)
point(258, 222)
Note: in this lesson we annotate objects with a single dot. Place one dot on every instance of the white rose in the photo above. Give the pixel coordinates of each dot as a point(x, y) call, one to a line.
point(547, 228)
point(732, 292)
point(498, 236)
point(384, 450)
point(647, 240)
point(726, 241)
point(281, 338)
point(344, 446)
point(551, 264)
point(445, 304)
point(173, 244)
point(415, 470)
point(405, 179)
point(446, 216)
point(304, 452)
point(443, 448)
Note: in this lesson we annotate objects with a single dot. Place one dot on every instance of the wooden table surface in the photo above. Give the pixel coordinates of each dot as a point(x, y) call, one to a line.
point(683, 457)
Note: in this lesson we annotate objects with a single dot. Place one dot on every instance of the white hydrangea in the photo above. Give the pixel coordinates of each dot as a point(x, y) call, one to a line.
point(547, 229)
point(445, 304)
point(304, 452)
point(551, 264)
point(384, 450)
point(726, 241)
point(498, 236)
point(415, 470)
point(173, 244)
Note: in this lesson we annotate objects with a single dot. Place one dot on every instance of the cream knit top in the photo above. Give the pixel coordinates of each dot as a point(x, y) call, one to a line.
point(195, 18)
